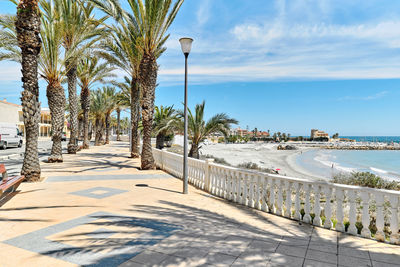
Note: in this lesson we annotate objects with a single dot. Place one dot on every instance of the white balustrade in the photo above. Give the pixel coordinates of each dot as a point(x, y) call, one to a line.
point(317, 206)
point(273, 193)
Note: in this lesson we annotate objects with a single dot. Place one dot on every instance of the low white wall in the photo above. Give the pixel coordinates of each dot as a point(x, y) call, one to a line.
point(339, 207)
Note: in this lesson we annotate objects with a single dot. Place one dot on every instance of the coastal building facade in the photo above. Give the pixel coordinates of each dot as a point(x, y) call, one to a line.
point(12, 113)
point(317, 134)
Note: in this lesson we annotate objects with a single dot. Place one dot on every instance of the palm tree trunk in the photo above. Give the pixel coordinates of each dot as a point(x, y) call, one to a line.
point(107, 128)
point(56, 99)
point(160, 141)
point(97, 138)
point(118, 124)
point(28, 29)
point(194, 151)
point(73, 108)
point(135, 117)
point(85, 103)
point(148, 81)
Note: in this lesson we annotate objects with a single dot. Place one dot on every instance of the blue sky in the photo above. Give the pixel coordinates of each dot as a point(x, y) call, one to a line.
point(285, 66)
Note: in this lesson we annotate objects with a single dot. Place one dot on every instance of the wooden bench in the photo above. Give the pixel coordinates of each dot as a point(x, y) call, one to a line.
point(8, 184)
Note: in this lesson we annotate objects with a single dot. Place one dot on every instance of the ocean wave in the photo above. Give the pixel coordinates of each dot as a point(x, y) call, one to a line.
point(378, 170)
point(324, 159)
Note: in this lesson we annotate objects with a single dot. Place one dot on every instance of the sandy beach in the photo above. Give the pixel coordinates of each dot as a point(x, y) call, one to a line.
point(264, 155)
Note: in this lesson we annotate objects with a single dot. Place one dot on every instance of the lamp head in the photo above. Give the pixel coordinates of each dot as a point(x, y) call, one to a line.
point(186, 45)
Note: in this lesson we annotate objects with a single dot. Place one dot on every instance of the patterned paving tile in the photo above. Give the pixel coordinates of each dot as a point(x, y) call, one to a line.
point(53, 179)
point(111, 252)
point(98, 192)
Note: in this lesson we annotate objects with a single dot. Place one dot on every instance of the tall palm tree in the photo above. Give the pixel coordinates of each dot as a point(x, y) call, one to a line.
point(110, 96)
point(52, 72)
point(27, 27)
point(165, 122)
point(89, 71)
point(199, 129)
point(153, 17)
point(49, 65)
point(121, 50)
point(97, 106)
point(80, 30)
point(124, 101)
point(149, 21)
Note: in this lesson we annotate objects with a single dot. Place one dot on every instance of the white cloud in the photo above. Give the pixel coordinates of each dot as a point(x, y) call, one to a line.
point(365, 98)
point(203, 13)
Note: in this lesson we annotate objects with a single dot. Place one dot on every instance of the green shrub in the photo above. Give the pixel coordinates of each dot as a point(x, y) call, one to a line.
point(366, 179)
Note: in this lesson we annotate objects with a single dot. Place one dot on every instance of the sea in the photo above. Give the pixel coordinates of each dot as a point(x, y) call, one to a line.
point(327, 163)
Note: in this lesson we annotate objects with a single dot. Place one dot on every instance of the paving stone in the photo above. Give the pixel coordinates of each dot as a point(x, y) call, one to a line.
point(131, 264)
point(324, 247)
point(383, 256)
point(314, 263)
point(150, 257)
point(257, 245)
point(321, 256)
point(353, 262)
point(354, 252)
point(297, 251)
point(219, 259)
point(278, 259)
point(290, 241)
point(383, 264)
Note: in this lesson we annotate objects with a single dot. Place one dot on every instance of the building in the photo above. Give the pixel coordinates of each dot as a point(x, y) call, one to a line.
point(12, 113)
point(317, 134)
point(240, 132)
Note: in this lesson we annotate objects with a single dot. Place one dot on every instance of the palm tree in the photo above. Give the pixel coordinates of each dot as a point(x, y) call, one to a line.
point(199, 129)
point(121, 50)
point(153, 18)
point(148, 23)
point(165, 122)
point(80, 30)
point(123, 101)
point(50, 69)
point(27, 27)
point(90, 71)
point(52, 73)
point(110, 98)
point(97, 106)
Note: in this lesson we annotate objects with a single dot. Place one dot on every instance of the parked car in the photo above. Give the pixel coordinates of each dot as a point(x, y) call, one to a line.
point(10, 136)
point(64, 137)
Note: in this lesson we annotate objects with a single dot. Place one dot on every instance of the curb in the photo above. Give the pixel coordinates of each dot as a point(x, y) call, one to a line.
point(12, 156)
point(20, 155)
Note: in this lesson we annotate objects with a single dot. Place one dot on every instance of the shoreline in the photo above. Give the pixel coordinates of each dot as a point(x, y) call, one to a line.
point(264, 155)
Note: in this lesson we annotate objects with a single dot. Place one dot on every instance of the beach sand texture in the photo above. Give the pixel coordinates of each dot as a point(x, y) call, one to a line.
point(264, 155)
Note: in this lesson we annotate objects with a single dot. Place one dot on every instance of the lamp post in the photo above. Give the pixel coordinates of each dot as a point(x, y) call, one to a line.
point(186, 45)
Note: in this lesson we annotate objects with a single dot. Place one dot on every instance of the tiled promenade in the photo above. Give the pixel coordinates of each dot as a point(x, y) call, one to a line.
point(93, 210)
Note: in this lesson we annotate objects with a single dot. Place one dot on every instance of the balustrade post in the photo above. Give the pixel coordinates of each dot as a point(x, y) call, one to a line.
point(339, 210)
point(207, 179)
point(317, 206)
point(229, 185)
point(394, 221)
point(258, 194)
point(239, 188)
point(297, 214)
point(288, 201)
point(251, 189)
point(352, 212)
point(245, 200)
point(307, 216)
point(365, 232)
point(380, 220)
point(264, 194)
point(328, 208)
point(272, 195)
point(279, 201)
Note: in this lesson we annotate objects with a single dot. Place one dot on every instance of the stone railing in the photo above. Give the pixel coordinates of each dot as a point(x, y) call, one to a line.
point(353, 209)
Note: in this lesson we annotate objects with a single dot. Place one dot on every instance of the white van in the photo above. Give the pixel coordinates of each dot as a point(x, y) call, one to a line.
point(10, 135)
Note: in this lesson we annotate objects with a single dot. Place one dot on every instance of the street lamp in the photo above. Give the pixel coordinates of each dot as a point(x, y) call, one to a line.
point(186, 44)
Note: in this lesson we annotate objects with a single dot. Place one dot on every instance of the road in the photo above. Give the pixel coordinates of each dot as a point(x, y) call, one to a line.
point(14, 165)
